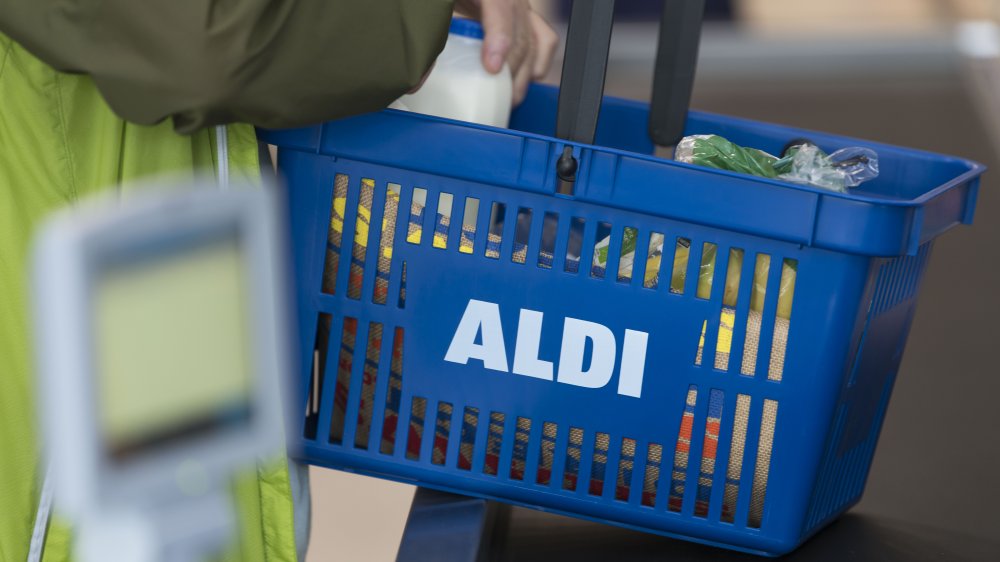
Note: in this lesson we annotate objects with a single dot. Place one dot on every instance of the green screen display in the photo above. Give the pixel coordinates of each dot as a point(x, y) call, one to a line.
point(172, 346)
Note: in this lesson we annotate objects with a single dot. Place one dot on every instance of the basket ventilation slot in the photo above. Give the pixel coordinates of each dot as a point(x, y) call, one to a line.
point(736, 449)
point(335, 233)
point(708, 453)
point(682, 452)
point(369, 378)
point(418, 412)
point(388, 238)
point(763, 465)
point(442, 428)
point(415, 226)
point(443, 221)
point(626, 463)
point(547, 448)
point(574, 247)
point(629, 251)
point(651, 479)
point(467, 439)
point(752, 344)
point(362, 230)
point(708, 255)
point(654, 260)
point(469, 217)
point(342, 387)
point(598, 467)
point(602, 251)
point(574, 451)
point(522, 433)
point(393, 396)
point(522, 230)
point(494, 441)
point(498, 214)
point(547, 249)
point(678, 275)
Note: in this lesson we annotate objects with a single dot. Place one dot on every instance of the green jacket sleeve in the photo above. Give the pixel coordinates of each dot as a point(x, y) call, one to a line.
point(272, 63)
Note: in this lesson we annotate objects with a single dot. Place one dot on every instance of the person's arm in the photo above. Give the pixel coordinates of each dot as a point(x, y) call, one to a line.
point(273, 63)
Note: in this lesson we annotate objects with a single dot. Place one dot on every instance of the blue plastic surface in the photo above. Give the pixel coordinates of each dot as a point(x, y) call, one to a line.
point(860, 258)
point(466, 28)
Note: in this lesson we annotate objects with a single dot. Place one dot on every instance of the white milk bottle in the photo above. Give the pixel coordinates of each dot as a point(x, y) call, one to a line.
point(459, 87)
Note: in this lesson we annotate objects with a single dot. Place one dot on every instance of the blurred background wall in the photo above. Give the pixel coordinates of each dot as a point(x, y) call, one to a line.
point(919, 73)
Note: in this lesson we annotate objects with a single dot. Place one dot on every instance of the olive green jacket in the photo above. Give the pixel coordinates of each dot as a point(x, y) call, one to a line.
point(271, 63)
point(138, 74)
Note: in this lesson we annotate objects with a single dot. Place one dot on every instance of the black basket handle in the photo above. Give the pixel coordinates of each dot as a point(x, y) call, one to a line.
point(585, 65)
point(673, 76)
point(588, 40)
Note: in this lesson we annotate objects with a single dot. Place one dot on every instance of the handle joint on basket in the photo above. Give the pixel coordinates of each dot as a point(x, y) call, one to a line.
point(566, 167)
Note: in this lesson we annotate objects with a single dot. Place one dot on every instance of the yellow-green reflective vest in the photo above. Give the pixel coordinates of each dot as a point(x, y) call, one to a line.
point(59, 142)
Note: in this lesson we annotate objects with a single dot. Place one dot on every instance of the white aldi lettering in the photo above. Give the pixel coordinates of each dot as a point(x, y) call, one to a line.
point(479, 317)
point(483, 318)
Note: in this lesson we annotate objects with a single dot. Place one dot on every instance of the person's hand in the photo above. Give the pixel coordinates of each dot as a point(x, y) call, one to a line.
point(515, 34)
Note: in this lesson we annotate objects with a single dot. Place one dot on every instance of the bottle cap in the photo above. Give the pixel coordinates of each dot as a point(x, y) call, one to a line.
point(466, 28)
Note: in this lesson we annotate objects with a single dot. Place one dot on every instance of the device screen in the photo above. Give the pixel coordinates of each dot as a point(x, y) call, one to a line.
point(172, 346)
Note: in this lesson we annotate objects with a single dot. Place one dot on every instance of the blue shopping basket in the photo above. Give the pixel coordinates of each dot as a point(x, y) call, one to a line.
point(460, 334)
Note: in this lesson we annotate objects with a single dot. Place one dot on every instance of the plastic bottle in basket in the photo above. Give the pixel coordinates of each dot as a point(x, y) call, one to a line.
point(459, 87)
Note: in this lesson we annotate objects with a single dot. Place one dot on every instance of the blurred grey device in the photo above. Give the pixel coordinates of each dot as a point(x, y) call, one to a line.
point(160, 337)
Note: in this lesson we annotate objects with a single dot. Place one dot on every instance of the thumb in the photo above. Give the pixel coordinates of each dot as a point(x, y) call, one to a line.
point(498, 28)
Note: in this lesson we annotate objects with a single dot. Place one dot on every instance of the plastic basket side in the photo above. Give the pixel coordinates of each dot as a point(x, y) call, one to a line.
point(883, 331)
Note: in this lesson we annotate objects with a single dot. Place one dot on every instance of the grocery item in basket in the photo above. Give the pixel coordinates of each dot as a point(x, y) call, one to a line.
point(801, 162)
point(847, 167)
point(706, 271)
point(458, 86)
point(714, 151)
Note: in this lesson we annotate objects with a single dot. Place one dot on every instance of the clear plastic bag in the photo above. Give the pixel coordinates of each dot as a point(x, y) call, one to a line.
point(802, 162)
point(845, 168)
